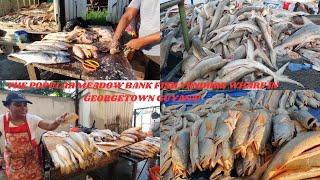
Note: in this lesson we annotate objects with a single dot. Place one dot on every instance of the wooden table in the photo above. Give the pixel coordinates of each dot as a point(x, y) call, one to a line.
point(51, 142)
point(112, 67)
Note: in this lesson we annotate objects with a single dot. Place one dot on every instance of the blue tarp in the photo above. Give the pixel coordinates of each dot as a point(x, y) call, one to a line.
point(233, 93)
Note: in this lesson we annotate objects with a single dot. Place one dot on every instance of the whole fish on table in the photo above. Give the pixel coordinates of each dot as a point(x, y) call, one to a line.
point(46, 57)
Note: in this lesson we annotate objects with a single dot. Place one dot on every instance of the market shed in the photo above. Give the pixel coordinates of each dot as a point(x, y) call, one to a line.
point(116, 116)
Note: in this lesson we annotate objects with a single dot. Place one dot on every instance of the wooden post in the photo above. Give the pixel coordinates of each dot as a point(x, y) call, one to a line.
point(77, 103)
point(33, 75)
point(183, 21)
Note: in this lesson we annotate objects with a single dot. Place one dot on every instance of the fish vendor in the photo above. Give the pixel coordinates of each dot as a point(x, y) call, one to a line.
point(149, 33)
point(22, 154)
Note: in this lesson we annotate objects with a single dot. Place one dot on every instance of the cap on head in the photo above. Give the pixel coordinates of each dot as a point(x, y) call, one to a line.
point(15, 97)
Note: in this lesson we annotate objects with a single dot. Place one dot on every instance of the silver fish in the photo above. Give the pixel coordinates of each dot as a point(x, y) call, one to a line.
point(40, 57)
point(305, 34)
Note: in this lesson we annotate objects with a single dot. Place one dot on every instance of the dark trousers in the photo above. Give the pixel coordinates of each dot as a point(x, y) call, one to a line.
point(153, 68)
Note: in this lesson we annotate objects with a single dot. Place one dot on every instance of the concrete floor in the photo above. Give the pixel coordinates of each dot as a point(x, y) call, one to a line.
point(7, 68)
point(122, 170)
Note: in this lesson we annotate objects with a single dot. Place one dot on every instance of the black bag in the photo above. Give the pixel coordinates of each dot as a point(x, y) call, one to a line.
point(75, 22)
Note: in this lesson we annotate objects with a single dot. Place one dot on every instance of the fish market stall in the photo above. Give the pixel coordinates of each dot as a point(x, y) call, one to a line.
point(220, 42)
point(51, 143)
point(72, 153)
point(81, 54)
point(145, 150)
point(241, 134)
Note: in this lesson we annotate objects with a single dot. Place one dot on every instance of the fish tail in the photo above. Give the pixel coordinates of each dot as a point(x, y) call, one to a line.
point(288, 80)
point(281, 70)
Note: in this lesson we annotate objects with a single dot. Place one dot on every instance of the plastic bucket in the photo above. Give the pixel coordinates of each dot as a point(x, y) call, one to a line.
point(21, 36)
point(154, 173)
point(286, 5)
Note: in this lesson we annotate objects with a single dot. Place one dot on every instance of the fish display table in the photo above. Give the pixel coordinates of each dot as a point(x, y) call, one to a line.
point(51, 142)
point(112, 67)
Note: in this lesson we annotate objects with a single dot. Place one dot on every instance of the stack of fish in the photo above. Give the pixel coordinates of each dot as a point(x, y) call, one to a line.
point(62, 134)
point(37, 17)
point(85, 51)
point(242, 45)
point(90, 35)
point(104, 137)
point(147, 148)
point(45, 52)
point(77, 151)
point(133, 135)
point(52, 49)
point(263, 135)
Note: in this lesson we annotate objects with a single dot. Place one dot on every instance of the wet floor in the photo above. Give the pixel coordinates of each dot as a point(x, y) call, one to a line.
point(121, 170)
point(10, 70)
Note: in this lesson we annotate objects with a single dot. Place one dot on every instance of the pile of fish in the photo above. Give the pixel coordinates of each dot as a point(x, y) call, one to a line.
point(147, 148)
point(261, 135)
point(85, 51)
point(133, 135)
point(37, 17)
point(77, 151)
point(244, 44)
point(44, 52)
point(104, 137)
point(54, 47)
point(83, 35)
point(62, 134)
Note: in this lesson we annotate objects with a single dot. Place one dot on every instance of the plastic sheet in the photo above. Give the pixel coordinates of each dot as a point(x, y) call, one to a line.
point(117, 67)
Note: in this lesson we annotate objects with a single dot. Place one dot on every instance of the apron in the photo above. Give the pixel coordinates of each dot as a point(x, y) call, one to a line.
point(22, 158)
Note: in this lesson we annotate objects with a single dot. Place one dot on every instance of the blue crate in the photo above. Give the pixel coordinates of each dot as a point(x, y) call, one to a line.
point(21, 36)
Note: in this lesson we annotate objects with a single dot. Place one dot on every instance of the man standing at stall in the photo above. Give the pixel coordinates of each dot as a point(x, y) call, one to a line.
point(149, 33)
point(21, 151)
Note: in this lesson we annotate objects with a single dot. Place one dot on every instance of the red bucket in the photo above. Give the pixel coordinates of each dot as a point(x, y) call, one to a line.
point(154, 173)
point(286, 5)
point(74, 129)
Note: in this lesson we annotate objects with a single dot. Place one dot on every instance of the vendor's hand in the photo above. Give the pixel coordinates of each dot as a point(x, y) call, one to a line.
point(62, 118)
point(114, 48)
point(135, 44)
